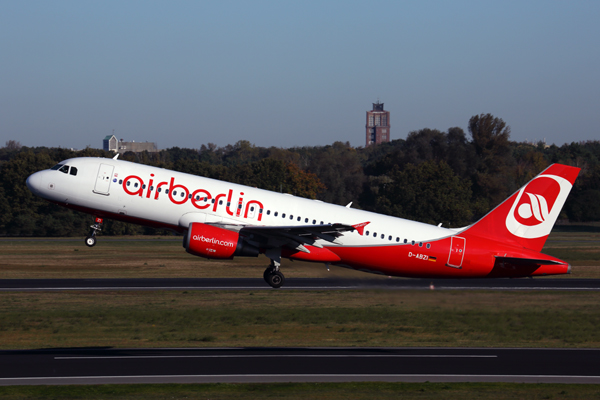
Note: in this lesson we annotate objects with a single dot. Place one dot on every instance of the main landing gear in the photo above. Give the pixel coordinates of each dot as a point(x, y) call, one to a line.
point(273, 276)
point(90, 241)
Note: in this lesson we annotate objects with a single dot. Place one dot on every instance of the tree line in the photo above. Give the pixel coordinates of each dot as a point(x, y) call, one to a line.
point(432, 176)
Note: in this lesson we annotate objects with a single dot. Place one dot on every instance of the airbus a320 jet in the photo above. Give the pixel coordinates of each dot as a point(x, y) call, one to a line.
point(222, 220)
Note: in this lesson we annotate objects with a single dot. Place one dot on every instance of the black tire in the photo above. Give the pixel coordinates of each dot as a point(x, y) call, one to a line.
point(268, 272)
point(90, 241)
point(275, 279)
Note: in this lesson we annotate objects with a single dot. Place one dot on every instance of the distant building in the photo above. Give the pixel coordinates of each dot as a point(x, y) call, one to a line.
point(112, 144)
point(378, 125)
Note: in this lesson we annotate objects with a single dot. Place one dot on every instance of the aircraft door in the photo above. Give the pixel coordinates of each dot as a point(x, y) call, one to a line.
point(103, 179)
point(457, 252)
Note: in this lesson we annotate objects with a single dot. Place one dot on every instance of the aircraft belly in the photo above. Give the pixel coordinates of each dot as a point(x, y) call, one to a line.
point(408, 260)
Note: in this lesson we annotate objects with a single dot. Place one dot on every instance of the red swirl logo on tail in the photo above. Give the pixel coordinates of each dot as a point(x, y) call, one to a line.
point(537, 206)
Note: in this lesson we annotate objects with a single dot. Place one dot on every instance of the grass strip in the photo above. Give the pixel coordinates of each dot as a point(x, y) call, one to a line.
point(277, 318)
point(330, 391)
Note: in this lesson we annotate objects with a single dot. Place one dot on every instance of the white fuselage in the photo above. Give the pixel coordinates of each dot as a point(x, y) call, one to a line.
point(101, 187)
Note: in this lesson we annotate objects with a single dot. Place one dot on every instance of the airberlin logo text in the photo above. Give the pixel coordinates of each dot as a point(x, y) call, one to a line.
point(201, 238)
point(202, 199)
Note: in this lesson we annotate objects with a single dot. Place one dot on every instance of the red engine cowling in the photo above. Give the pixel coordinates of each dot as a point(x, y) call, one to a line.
point(211, 242)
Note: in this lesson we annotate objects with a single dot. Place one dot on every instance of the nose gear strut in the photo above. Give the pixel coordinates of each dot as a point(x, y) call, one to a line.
point(90, 241)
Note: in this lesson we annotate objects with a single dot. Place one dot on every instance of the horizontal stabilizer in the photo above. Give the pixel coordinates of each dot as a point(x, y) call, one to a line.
point(526, 261)
point(515, 267)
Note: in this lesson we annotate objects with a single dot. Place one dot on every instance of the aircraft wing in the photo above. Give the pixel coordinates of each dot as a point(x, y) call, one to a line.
point(294, 237)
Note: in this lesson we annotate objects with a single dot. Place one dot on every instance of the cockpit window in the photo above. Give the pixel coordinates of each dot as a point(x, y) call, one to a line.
point(64, 169)
point(73, 171)
point(57, 166)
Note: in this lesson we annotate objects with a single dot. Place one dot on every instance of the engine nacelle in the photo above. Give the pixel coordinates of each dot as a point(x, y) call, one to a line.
point(212, 242)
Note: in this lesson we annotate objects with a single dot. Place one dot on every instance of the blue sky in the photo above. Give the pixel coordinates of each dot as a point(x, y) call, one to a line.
point(293, 73)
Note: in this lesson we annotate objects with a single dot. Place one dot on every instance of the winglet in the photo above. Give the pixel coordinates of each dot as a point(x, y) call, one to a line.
point(361, 227)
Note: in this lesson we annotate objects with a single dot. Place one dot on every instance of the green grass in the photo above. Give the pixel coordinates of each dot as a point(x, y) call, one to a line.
point(329, 391)
point(299, 318)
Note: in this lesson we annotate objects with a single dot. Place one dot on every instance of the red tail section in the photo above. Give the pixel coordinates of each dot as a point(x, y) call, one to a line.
point(527, 217)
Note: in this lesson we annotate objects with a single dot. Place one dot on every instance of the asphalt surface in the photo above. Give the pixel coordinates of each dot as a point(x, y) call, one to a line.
point(101, 366)
point(299, 284)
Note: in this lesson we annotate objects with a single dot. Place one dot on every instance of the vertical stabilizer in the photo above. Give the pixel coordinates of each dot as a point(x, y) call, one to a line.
point(527, 217)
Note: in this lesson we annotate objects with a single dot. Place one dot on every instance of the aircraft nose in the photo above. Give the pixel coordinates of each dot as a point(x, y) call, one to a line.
point(34, 182)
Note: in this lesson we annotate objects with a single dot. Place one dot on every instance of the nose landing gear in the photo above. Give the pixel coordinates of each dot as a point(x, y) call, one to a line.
point(90, 241)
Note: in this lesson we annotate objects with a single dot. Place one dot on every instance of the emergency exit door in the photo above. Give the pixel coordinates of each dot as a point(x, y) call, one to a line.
point(457, 252)
point(103, 179)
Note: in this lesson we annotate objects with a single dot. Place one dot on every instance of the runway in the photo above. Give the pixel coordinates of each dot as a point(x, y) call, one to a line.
point(299, 284)
point(103, 366)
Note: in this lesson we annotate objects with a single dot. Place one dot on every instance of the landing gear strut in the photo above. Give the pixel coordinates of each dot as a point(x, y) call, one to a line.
point(90, 241)
point(273, 276)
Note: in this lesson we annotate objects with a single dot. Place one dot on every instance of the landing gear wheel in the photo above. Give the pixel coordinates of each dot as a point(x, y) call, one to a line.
point(268, 272)
point(90, 241)
point(275, 279)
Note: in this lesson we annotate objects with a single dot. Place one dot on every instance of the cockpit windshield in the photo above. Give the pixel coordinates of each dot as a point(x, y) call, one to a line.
point(65, 169)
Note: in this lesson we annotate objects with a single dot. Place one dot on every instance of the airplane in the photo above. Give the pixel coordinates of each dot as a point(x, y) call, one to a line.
point(222, 220)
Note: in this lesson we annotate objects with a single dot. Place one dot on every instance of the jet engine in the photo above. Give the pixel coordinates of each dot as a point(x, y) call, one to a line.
point(212, 242)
